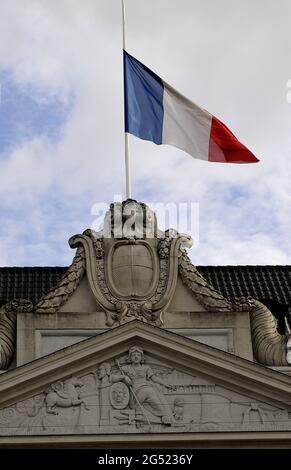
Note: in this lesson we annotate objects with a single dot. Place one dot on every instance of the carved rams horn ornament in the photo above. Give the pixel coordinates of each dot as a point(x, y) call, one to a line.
point(132, 275)
point(8, 318)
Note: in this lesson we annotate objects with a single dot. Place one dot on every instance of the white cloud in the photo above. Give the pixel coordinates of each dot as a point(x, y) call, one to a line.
point(231, 57)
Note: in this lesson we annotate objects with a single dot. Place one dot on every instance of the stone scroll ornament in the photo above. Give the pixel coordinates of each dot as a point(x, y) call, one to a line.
point(132, 272)
point(270, 347)
point(8, 319)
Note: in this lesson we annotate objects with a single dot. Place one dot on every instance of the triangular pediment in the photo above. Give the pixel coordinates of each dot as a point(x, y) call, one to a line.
point(180, 386)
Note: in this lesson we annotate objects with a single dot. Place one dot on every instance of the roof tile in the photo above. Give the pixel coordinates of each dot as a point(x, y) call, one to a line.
point(272, 282)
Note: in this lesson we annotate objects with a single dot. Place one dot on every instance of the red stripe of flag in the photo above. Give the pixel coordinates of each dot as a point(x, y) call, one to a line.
point(224, 146)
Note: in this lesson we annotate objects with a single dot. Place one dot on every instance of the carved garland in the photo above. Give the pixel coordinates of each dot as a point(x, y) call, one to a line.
point(211, 299)
point(57, 296)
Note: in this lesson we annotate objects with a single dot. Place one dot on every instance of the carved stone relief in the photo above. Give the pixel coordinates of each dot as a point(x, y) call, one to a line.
point(131, 266)
point(137, 393)
point(135, 279)
point(64, 395)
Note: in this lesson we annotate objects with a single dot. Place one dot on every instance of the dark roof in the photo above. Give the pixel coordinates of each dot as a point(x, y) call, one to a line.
point(28, 283)
point(260, 282)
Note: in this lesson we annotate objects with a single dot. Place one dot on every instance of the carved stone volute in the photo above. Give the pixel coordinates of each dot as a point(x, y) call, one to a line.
point(8, 319)
point(132, 266)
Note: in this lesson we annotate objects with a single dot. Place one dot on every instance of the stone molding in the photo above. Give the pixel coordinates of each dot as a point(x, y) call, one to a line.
point(238, 440)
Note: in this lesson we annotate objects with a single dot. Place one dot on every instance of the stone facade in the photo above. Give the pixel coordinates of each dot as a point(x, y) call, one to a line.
point(134, 342)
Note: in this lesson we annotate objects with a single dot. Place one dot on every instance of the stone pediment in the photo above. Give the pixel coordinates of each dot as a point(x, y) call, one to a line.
point(139, 379)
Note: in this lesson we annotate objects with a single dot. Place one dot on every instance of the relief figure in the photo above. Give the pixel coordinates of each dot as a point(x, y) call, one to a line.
point(144, 396)
point(64, 395)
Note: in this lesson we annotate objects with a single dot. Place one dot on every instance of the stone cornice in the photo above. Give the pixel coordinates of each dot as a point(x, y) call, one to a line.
point(240, 440)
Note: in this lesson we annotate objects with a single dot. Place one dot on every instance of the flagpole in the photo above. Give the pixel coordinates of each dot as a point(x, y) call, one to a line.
point(126, 143)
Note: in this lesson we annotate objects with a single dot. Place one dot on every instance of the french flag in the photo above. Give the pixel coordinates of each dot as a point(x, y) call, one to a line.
point(157, 112)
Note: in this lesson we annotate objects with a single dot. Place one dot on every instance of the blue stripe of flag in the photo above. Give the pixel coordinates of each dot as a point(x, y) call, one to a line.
point(143, 100)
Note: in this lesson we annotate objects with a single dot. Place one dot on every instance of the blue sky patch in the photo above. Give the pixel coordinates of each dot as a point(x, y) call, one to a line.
point(24, 116)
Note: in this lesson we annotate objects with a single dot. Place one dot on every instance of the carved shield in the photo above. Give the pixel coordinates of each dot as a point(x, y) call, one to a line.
point(119, 395)
point(132, 270)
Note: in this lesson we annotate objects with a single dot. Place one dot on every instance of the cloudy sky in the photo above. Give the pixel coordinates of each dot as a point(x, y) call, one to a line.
point(61, 122)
